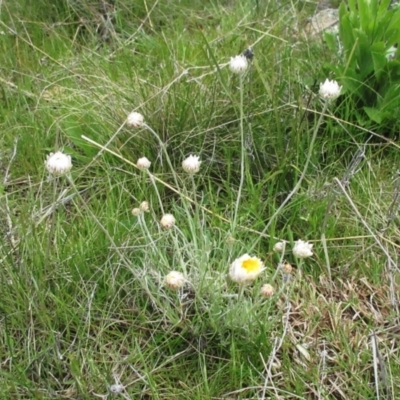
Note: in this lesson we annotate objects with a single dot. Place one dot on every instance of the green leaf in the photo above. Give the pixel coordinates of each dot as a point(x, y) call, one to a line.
point(378, 52)
point(367, 12)
point(331, 41)
point(374, 114)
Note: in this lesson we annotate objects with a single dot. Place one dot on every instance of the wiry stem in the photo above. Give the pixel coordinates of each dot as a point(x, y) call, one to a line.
point(242, 159)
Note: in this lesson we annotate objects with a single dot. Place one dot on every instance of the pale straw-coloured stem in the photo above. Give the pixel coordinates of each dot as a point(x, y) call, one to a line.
point(242, 156)
point(153, 182)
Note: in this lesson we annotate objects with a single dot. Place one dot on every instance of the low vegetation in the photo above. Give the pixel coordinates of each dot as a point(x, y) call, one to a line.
point(196, 203)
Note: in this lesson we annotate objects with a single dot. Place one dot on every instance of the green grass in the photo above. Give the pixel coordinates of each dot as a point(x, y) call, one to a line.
point(84, 303)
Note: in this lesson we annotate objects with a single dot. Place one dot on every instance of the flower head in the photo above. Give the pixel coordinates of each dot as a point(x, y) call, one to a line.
point(329, 90)
point(302, 249)
point(58, 163)
point(143, 163)
point(116, 388)
point(245, 269)
point(136, 212)
point(135, 119)
point(144, 206)
point(191, 165)
point(238, 64)
point(167, 221)
point(175, 280)
point(287, 268)
point(279, 247)
point(391, 53)
point(267, 290)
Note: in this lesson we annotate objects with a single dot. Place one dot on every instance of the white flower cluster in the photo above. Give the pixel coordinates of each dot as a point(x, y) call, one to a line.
point(135, 120)
point(238, 64)
point(143, 163)
point(116, 388)
point(143, 207)
point(58, 163)
point(302, 249)
point(175, 280)
point(191, 165)
point(329, 90)
point(167, 221)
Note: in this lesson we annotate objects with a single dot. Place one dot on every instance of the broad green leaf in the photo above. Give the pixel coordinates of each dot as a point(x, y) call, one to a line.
point(374, 114)
point(367, 14)
point(383, 7)
point(378, 53)
point(331, 41)
point(352, 6)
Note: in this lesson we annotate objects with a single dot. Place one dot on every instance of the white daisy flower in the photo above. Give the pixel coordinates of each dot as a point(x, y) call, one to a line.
point(246, 269)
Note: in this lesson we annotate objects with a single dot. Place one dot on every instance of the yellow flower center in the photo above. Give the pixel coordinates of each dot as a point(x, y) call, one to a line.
point(251, 265)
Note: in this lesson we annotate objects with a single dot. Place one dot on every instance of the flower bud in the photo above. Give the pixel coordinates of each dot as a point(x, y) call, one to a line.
point(135, 119)
point(279, 247)
point(175, 280)
point(144, 206)
point(191, 165)
point(136, 212)
point(167, 221)
point(143, 163)
point(267, 290)
point(238, 64)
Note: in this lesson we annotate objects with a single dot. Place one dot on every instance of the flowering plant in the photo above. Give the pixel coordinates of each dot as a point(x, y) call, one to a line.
point(369, 67)
point(246, 269)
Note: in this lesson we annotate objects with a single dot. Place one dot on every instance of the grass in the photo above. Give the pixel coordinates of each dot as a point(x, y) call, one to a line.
point(84, 303)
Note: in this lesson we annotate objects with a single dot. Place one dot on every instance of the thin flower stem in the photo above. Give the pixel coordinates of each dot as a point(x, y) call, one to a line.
point(145, 229)
point(242, 158)
point(300, 267)
point(156, 190)
point(196, 213)
point(164, 149)
point(241, 293)
point(53, 216)
point(178, 250)
point(299, 182)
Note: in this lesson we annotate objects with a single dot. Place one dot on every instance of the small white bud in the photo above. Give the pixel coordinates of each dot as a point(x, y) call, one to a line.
point(175, 280)
point(116, 388)
point(287, 268)
point(136, 212)
point(144, 206)
point(135, 119)
point(167, 221)
point(267, 290)
point(143, 163)
point(279, 247)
